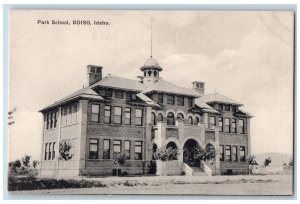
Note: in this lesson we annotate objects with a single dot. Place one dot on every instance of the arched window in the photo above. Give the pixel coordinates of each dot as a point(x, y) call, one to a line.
point(149, 73)
point(160, 117)
point(190, 120)
point(180, 116)
point(153, 119)
point(155, 73)
point(145, 73)
point(170, 119)
point(174, 154)
point(197, 120)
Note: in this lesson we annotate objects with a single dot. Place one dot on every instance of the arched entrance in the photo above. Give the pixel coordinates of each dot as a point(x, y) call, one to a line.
point(189, 153)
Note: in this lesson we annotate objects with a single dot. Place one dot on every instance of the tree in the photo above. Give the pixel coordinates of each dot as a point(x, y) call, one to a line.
point(64, 150)
point(165, 154)
point(10, 116)
point(35, 163)
point(267, 161)
point(26, 160)
point(17, 163)
point(251, 161)
point(119, 159)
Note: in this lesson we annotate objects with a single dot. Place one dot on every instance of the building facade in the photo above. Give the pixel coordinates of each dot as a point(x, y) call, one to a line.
point(136, 117)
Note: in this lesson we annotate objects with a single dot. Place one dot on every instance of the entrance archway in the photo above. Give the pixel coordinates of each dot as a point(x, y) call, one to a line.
point(189, 150)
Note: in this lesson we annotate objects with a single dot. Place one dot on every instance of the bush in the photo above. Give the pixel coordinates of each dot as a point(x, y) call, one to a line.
point(31, 183)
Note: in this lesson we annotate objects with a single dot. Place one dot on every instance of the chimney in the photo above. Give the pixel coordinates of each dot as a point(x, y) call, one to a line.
point(94, 74)
point(199, 87)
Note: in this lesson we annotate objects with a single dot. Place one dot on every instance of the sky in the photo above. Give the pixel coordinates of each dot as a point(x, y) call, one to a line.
point(245, 55)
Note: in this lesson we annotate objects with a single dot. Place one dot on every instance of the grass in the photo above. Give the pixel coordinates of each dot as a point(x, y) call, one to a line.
point(32, 183)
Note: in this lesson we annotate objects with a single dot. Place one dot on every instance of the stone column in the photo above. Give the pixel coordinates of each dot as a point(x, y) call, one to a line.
point(148, 128)
point(217, 155)
point(205, 120)
point(81, 145)
point(247, 130)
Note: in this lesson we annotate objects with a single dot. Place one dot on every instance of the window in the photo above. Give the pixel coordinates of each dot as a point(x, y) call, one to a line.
point(138, 116)
point(234, 153)
point(93, 149)
point(153, 119)
point(128, 95)
point(108, 93)
point(155, 73)
point(234, 109)
point(170, 119)
point(46, 151)
point(227, 153)
point(212, 121)
point(127, 119)
point(95, 113)
point(138, 150)
point(227, 125)
point(160, 98)
point(45, 121)
point(221, 106)
point(190, 102)
point(160, 117)
point(118, 94)
point(221, 153)
point(55, 119)
point(197, 120)
point(118, 115)
point(190, 120)
point(127, 149)
point(69, 116)
point(49, 152)
point(106, 149)
point(53, 151)
point(74, 114)
point(241, 126)
point(220, 124)
point(51, 120)
point(107, 114)
point(149, 73)
point(117, 147)
point(48, 121)
point(171, 99)
point(65, 113)
point(242, 154)
point(227, 107)
point(233, 124)
point(180, 116)
point(180, 100)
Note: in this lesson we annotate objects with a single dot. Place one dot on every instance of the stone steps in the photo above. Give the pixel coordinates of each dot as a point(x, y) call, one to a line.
point(198, 172)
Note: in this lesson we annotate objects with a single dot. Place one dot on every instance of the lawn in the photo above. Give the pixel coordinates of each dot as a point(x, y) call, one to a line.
point(158, 185)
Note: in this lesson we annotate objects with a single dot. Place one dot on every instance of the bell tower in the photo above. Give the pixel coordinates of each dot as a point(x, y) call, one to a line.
point(151, 70)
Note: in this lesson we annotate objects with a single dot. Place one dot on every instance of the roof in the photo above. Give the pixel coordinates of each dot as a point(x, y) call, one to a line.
point(217, 97)
point(147, 100)
point(164, 86)
point(205, 107)
point(151, 63)
point(121, 83)
point(86, 92)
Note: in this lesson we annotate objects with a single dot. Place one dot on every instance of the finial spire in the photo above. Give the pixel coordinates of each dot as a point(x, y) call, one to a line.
point(151, 37)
